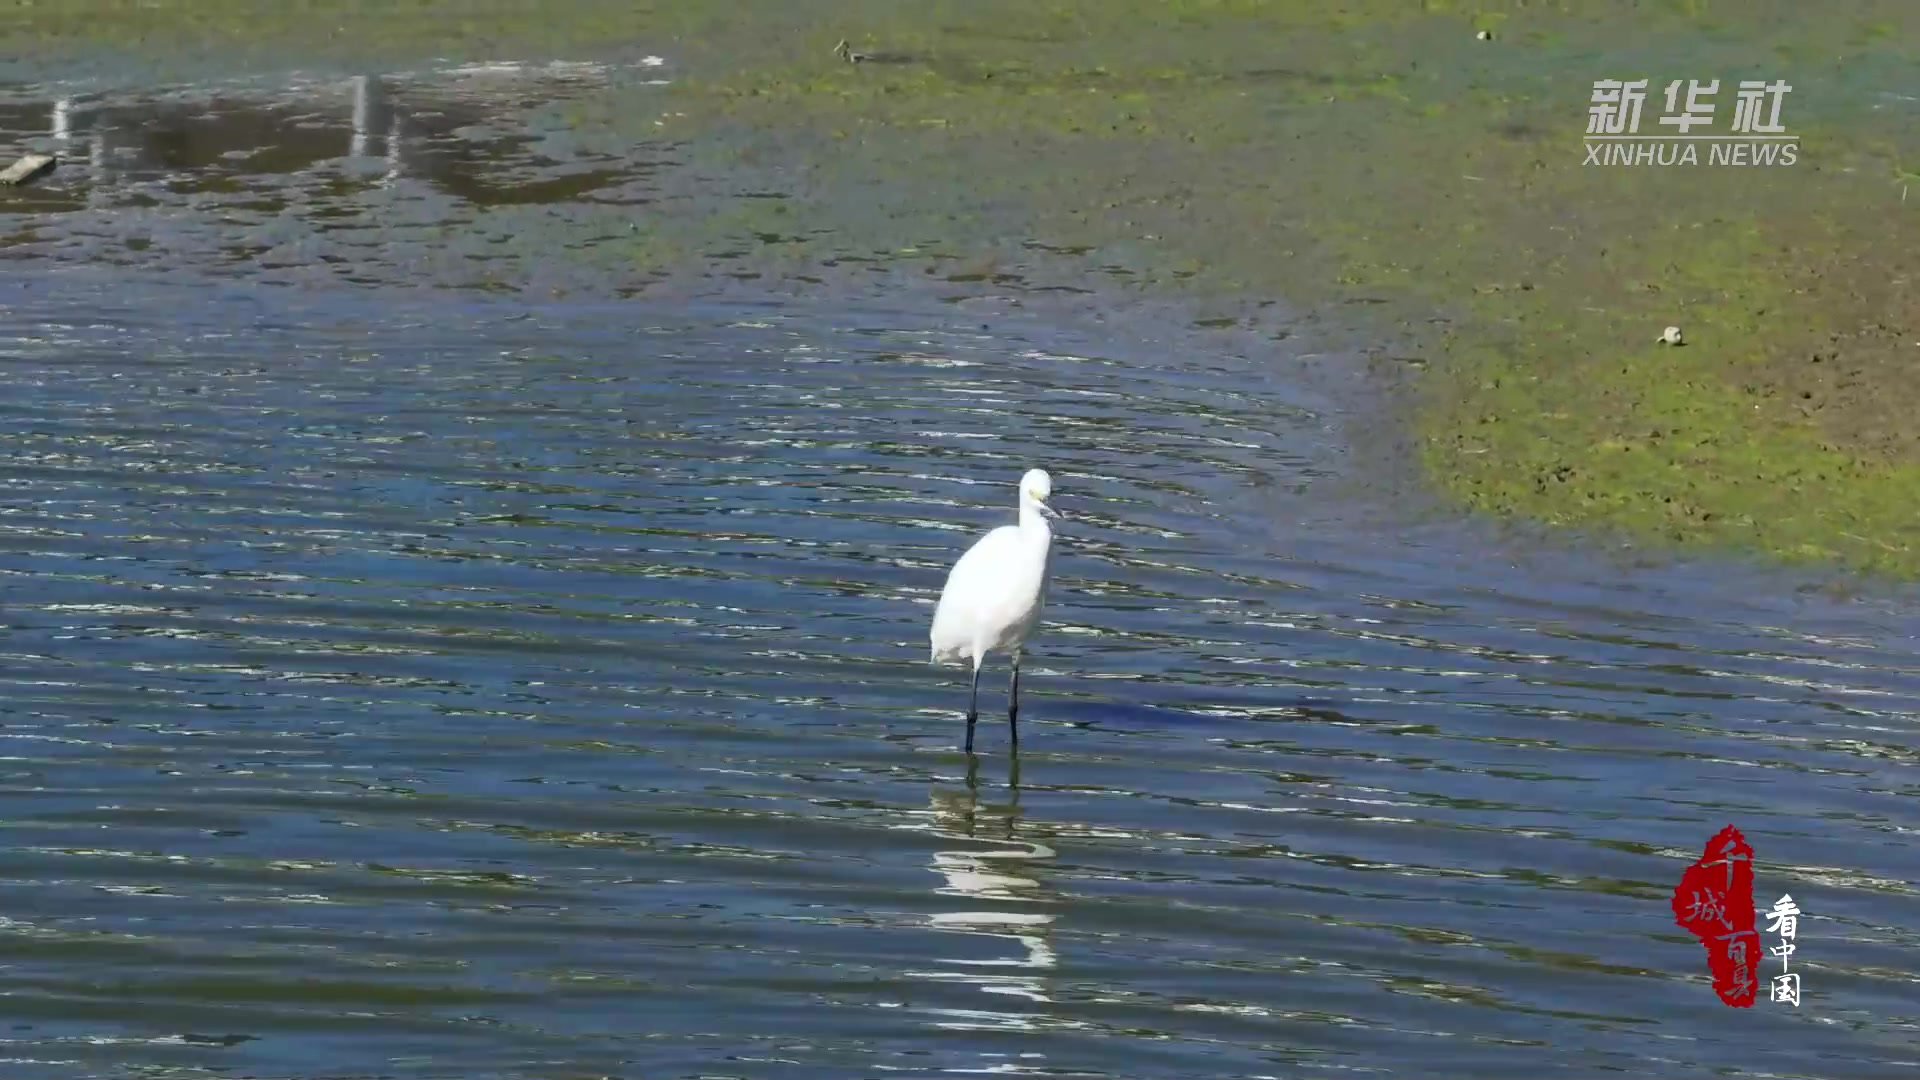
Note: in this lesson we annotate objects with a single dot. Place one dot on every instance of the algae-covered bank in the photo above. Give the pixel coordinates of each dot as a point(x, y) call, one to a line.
point(1428, 158)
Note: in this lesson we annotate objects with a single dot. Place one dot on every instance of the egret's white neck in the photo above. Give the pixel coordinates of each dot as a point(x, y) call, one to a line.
point(1031, 519)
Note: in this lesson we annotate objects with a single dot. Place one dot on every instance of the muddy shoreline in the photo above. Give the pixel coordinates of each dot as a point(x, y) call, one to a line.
point(1382, 161)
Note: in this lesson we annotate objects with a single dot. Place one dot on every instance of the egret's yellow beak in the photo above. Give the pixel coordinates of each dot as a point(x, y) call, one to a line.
point(1045, 510)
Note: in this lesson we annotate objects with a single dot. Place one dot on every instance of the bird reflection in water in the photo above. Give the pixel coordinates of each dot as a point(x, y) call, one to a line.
point(997, 871)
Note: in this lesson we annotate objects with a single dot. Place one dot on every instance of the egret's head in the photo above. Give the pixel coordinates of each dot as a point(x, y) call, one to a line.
point(1036, 488)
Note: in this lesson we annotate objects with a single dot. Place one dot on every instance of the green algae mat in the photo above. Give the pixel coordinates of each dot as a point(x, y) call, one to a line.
point(1430, 159)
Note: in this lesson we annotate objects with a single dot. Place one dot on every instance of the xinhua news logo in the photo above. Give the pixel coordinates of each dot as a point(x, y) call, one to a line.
point(1754, 136)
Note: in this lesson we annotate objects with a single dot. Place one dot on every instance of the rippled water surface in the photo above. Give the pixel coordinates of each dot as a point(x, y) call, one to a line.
point(434, 686)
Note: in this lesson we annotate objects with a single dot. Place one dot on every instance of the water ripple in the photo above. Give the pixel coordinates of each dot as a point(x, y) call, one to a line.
point(456, 688)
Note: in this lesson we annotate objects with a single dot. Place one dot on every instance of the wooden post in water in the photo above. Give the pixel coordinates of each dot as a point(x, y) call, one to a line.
point(362, 115)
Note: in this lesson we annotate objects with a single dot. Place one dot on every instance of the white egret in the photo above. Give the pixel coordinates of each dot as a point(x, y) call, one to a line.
point(994, 594)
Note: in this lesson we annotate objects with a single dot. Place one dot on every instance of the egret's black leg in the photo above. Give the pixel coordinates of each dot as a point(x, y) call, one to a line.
point(1013, 702)
point(973, 706)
